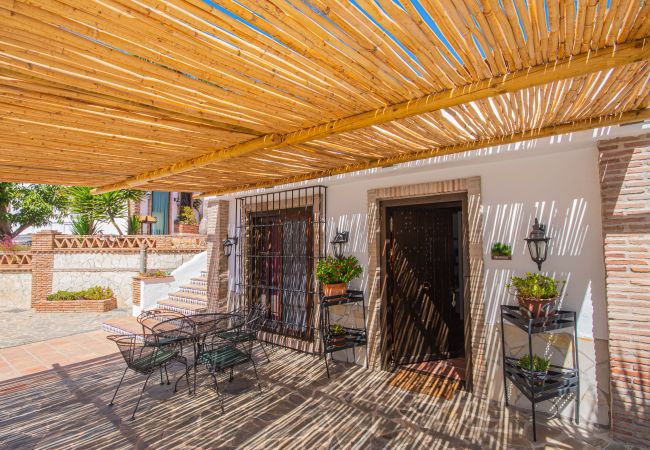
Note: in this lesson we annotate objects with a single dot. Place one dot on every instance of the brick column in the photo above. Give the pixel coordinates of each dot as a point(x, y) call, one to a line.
point(42, 264)
point(217, 221)
point(625, 192)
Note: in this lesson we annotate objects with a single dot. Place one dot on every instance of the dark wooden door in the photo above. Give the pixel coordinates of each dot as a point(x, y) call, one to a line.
point(423, 279)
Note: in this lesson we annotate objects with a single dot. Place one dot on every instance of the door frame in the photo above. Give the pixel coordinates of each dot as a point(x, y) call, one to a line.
point(476, 370)
point(441, 199)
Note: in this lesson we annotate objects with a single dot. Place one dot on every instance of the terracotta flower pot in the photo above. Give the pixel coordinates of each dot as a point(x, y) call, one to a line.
point(331, 290)
point(338, 339)
point(537, 307)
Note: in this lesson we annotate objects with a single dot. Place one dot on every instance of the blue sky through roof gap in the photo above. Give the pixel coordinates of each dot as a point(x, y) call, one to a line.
point(393, 38)
point(434, 27)
point(521, 24)
point(242, 20)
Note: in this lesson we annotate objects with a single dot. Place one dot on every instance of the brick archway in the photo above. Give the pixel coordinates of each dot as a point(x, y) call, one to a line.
point(474, 281)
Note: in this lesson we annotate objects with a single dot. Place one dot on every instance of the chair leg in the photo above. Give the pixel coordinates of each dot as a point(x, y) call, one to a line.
point(118, 386)
point(140, 397)
point(259, 385)
point(216, 387)
point(230, 378)
point(264, 350)
point(167, 374)
point(161, 377)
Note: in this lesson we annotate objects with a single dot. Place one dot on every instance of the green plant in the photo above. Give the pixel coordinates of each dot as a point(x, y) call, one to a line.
point(83, 225)
point(104, 208)
point(534, 285)
point(157, 273)
point(186, 216)
point(337, 330)
point(333, 271)
point(133, 225)
point(501, 249)
point(93, 293)
point(539, 364)
point(29, 205)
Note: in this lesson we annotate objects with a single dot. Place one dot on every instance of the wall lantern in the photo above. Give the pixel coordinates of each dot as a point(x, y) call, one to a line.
point(339, 241)
point(538, 243)
point(228, 243)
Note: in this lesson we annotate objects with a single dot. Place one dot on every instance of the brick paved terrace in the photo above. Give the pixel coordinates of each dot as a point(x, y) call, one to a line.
point(54, 394)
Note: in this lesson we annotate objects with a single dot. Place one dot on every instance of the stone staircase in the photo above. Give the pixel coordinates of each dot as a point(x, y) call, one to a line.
point(189, 299)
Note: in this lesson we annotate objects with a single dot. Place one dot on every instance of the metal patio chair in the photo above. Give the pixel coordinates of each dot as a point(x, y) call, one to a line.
point(150, 318)
point(254, 320)
point(221, 354)
point(145, 354)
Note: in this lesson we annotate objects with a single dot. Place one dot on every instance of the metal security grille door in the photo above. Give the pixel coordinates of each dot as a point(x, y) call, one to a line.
point(281, 238)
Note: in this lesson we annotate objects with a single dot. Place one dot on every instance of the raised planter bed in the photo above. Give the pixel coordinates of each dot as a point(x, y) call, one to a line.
point(107, 304)
point(139, 280)
point(182, 228)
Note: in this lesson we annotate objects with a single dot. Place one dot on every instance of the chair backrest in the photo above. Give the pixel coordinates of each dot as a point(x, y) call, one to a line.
point(150, 318)
point(256, 317)
point(172, 331)
point(138, 351)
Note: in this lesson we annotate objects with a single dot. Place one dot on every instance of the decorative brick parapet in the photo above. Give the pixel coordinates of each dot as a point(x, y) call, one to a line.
point(132, 243)
point(16, 262)
point(217, 216)
point(77, 305)
point(625, 192)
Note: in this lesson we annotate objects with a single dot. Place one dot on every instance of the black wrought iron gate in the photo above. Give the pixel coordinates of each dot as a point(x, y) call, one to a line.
point(281, 236)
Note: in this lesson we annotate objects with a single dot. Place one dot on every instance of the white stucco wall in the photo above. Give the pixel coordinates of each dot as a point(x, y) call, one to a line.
point(554, 179)
point(75, 271)
point(15, 290)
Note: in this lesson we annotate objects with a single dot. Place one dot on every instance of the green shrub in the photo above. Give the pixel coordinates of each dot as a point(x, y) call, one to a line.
point(133, 225)
point(186, 216)
point(539, 364)
point(157, 273)
point(534, 285)
point(337, 330)
point(332, 270)
point(93, 293)
point(501, 249)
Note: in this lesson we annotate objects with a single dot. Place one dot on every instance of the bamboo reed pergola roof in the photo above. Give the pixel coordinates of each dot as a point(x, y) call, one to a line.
point(216, 96)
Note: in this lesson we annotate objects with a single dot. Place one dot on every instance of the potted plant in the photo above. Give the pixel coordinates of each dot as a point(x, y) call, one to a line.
point(501, 251)
point(335, 274)
point(337, 335)
point(187, 221)
point(537, 368)
point(536, 294)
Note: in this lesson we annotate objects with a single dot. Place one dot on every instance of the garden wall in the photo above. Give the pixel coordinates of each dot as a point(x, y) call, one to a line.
point(63, 262)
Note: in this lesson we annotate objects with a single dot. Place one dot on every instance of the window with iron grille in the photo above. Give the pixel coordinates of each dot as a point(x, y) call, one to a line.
point(281, 237)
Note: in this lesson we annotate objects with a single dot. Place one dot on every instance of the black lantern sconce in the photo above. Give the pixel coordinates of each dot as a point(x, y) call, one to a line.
point(228, 244)
point(538, 243)
point(339, 241)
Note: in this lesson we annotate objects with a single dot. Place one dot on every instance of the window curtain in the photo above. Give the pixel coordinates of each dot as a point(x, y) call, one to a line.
point(160, 210)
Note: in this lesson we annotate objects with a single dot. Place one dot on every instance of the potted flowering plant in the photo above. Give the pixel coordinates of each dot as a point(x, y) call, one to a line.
point(536, 294)
point(337, 335)
point(537, 368)
point(335, 274)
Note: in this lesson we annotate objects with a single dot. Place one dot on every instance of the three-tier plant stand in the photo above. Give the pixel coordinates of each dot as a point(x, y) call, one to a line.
point(353, 337)
point(560, 380)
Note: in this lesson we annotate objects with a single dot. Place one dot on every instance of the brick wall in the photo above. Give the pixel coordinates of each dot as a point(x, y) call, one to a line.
point(42, 265)
point(77, 305)
point(217, 211)
point(625, 192)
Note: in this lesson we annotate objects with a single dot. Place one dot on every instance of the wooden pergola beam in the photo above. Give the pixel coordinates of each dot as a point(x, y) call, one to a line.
point(582, 64)
point(627, 117)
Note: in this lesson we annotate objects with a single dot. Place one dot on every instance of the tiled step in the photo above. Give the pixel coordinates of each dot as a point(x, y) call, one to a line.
point(204, 274)
point(194, 289)
point(189, 297)
point(201, 281)
point(122, 325)
point(181, 307)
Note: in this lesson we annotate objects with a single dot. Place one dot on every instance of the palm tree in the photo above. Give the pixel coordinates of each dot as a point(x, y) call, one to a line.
point(103, 208)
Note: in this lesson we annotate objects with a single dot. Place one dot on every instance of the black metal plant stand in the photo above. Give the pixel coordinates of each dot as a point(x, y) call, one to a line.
point(353, 337)
point(560, 380)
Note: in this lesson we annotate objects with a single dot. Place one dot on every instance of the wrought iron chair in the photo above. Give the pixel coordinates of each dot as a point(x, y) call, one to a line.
point(222, 354)
point(150, 318)
point(254, 320)
point(145, 354)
